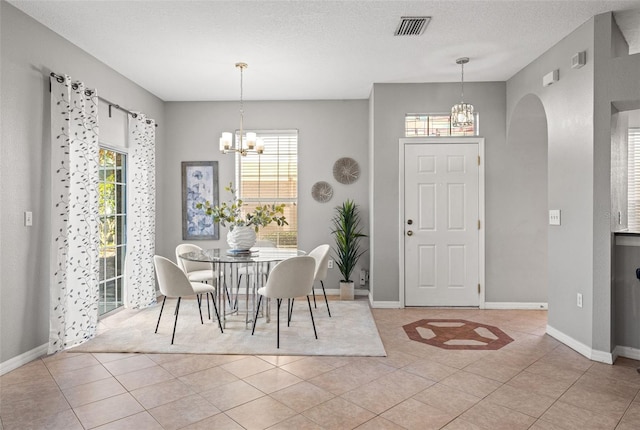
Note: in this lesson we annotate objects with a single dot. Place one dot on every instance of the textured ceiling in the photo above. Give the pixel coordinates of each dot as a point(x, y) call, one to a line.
point(186, 50)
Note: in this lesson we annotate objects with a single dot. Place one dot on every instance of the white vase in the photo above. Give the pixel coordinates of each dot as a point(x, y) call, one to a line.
point(241, 238)
point(346, 290)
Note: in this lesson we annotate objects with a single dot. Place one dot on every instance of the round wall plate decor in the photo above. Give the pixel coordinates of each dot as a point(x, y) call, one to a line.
point(322, 191)
point(346, 170)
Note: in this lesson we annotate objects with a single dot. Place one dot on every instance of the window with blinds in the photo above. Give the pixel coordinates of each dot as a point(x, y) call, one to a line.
point(272, 177)
point(634, 180)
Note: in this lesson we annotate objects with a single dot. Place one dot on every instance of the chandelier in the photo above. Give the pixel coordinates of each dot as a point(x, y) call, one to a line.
point(244, 143)
point(462, 113)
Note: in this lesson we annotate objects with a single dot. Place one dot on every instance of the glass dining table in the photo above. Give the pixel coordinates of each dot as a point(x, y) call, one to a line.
point(228, 268)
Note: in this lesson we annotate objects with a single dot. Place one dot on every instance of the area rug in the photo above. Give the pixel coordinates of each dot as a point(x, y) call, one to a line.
point(350, 331)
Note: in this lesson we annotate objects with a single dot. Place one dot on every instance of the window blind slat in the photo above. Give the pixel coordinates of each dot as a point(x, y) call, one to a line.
point(633, 172)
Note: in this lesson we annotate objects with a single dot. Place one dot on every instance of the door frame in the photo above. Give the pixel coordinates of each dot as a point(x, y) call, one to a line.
point(481, 205)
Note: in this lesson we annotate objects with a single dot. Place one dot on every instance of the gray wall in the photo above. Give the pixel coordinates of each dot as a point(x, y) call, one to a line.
point(389, 104)
point(617, 87)
point(523, 269)
point(327, 131)
point(29, 52)
point(581, 110)
point(569, 108)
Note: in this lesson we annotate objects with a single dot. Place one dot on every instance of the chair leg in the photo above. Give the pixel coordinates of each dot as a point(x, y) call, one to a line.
point(199, 298)
point(215, 308)
point(278, 331)
point(290, 309)
point(255, 319)
point(312, 322)
point(176, 321)
point(160, 316)
point(325, 298)
point(314, 297)
point(208, 308)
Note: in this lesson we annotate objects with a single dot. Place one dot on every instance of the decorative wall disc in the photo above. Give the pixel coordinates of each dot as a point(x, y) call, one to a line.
point(346, 170)
point(322, 191)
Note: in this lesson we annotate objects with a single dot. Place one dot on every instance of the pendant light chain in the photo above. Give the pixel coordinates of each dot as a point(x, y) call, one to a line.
point(241, 103)
point(462, 89)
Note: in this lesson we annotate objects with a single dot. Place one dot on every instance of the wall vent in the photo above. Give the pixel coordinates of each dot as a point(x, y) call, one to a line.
point(412, 25)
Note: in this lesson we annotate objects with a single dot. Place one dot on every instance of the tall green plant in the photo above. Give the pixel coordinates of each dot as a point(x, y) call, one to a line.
point(347, 233)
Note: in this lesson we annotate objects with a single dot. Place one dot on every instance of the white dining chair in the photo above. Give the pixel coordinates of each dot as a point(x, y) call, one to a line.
point(321, 255)
point(173, 283)
point(196, 271)
point(290, 278)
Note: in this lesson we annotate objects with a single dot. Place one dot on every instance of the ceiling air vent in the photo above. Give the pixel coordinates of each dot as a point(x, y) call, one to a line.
point(412, 25)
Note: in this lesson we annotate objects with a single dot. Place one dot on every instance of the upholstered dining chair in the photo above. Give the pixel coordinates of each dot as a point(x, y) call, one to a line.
point(173, 283)
point(290, 278)
point(197, 271)
point(321, 255)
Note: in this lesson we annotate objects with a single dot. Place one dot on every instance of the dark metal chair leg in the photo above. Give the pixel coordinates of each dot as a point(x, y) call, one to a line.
point(255, 319)
point(325, 298)
point(215, 308)
point(199, 298)
point(176, 321)
point(160, 316)
point(313, 291)
point(312, 322)
point(290, 309)
point(208, 308)
point(278, 332)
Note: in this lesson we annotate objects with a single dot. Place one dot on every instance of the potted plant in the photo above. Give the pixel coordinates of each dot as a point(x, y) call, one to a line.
point(347, 233)
point(243, 225)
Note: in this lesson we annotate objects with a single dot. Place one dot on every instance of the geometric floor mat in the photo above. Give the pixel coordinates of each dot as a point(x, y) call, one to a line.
point(457, 334)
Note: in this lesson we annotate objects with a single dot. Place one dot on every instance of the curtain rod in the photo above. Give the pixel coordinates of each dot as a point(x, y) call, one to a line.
point(88, 92)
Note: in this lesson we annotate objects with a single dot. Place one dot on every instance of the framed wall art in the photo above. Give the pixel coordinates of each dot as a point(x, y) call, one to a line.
point(199, 184)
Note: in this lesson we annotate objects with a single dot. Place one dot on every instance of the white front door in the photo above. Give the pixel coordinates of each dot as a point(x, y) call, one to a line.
point(441, 225)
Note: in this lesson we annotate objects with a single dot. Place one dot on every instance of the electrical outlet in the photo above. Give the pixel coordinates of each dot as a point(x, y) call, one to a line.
point(579, 300)
point(28, 219)
point(330, 264)
point(363, 277)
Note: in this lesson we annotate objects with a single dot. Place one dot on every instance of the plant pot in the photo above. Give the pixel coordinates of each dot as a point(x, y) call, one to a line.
point(241, 238)
point(346, 290)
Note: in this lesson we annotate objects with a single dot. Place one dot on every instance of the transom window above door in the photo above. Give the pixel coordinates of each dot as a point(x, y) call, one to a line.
point(436, 125)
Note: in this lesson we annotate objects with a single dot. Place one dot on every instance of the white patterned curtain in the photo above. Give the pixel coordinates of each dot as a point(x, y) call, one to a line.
point(75, 231)
point(141, 216)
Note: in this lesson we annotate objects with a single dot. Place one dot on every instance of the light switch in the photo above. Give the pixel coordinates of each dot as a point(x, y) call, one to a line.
point(554, 216)
point(28, 219)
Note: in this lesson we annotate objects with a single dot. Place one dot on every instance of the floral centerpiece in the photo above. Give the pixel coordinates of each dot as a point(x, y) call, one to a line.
point(243, 225)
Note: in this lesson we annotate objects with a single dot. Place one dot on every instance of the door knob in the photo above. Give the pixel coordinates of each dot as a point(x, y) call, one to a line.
point(409, 233)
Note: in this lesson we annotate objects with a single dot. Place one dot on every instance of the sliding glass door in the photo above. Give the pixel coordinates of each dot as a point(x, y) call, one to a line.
point(113, 222)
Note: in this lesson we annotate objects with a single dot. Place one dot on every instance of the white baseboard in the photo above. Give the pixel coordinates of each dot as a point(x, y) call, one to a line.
point(591, 354)
point(22, 359)
point(627, 352)
point(383, 305)
point(336, 291)
point(516, 305)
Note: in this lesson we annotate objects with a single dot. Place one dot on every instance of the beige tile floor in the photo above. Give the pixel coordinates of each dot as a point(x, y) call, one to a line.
point(534, 382)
